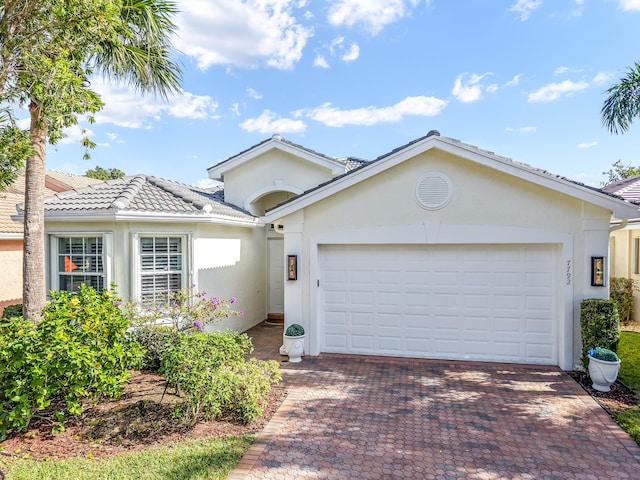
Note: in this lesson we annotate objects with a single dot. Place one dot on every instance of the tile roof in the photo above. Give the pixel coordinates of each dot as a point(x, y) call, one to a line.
point(140, 194)
point(455, 141)
point(349, 162)
point(627, 188)
point(54, 182)
point(8, 202)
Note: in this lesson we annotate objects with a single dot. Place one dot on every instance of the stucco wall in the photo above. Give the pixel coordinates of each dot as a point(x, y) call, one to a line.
point(223, 261)
point(493, 206)
point(621, 258)
point(274, 170)
point(11, 277)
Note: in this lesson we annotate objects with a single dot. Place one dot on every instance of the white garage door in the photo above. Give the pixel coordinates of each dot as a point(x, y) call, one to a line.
point(487, 303)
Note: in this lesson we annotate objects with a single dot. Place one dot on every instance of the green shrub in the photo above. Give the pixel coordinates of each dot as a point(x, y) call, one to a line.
point(294, 330)
point(11, 311)
point(603, 354)
point(214, 379)
point(600, 326)
point(154, 340)
point(79, 350)
point(621, 291)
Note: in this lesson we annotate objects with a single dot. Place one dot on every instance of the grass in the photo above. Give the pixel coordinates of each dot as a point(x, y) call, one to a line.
point(629, 353)
point(210, 459)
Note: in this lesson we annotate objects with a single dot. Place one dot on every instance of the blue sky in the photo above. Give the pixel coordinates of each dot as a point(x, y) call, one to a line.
point(522, 78)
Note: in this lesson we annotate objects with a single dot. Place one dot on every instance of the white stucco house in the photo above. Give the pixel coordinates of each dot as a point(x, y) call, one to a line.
point(624, 246)
point(437, 249)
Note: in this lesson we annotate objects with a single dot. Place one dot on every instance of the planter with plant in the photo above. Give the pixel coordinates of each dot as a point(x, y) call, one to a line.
point(294, 342)
point(604, 365)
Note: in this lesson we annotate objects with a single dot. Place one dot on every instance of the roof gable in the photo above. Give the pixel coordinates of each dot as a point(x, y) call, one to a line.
point(433, 140)
point(277, 142)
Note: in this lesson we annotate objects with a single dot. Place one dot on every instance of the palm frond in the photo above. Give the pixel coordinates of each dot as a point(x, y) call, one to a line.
point(622, 104)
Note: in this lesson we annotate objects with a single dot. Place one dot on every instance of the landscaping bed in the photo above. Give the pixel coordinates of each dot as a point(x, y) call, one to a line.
point(141, 418)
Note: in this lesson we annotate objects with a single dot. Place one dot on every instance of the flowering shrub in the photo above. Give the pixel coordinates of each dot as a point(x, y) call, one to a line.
point(603, 354)
point(186, 310)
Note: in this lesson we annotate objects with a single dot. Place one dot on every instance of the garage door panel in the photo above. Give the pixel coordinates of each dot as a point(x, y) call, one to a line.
point(492, 302)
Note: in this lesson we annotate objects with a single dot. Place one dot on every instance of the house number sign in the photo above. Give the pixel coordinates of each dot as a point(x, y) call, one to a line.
point(568, 272)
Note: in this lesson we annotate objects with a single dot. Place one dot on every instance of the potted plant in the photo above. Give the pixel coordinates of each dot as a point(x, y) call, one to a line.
point(294, 342)
point(604, 365)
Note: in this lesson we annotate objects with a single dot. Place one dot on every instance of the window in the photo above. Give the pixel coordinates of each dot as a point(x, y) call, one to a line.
point(79, 260)
point(161, 267)
point(636, 256)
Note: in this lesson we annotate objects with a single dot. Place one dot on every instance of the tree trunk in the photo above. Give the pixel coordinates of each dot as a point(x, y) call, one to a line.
point(34, 291)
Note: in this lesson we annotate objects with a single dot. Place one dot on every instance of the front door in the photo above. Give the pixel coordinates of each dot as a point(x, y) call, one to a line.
point(276, 278)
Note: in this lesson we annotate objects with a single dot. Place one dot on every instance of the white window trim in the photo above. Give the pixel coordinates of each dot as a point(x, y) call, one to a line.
point(187, 240)
point(107, 255)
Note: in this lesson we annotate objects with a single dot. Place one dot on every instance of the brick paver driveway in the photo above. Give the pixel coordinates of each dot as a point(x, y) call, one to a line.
point(352, 417)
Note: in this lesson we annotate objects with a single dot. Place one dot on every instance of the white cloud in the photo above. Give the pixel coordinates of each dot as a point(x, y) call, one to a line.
point(352, 54)
point(553, 91)
point(629, 4)
point(235, 109)
point(126, 108)
point(527, 129)
point(469, 90)
point(525, 8)
point(254, 94)
point(493, 88)
point(74, 134)
point(320, 61)
point(588, 145)
point(602, 77)
point(374, 15)
point(248, 34)
point(268, 123)
point(336, 117)
point(514, 81)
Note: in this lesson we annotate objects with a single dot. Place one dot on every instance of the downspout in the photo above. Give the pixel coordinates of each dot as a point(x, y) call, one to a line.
point(623, 223)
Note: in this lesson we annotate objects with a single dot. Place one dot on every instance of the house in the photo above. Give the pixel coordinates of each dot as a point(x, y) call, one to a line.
point(437, 249)
point(624, 244)
point(11, 230)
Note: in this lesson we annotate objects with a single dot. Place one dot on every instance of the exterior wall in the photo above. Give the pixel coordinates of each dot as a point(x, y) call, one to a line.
point(621, 260)
point(487, 207)
point(273, 171)
point(223, 261)
point(11, 278)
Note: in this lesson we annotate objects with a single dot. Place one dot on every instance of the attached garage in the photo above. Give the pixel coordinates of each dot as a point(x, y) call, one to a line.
point(468, 302)
point(442, 250)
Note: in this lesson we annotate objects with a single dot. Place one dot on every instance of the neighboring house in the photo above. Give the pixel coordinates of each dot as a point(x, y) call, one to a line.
point(624, 245)
point(437, 249)
point(11, 230)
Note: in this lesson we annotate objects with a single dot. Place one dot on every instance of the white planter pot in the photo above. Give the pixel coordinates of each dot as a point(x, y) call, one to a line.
point(603, 373)
point(294, 347)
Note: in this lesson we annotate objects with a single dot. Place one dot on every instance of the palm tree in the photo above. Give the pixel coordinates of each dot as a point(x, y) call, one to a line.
point(133, 47)
point(622, 105)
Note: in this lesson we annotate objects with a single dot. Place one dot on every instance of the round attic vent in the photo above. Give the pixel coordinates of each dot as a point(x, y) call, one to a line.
point(433, 190)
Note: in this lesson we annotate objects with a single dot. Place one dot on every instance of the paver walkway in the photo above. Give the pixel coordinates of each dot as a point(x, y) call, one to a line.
point(349, 417)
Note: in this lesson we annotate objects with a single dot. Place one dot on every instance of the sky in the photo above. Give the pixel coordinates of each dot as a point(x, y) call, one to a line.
point(525, 79)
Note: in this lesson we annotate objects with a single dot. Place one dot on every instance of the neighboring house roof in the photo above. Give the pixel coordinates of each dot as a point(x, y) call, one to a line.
point(337, 165)
point(621, 207)
point(54, 182)
point(145, 198)
point(10, 229)
point(627, 188)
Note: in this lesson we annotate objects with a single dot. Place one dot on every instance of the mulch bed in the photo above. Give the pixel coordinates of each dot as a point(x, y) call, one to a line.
point(138, 419)
point(618, 399)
